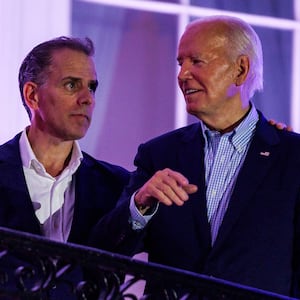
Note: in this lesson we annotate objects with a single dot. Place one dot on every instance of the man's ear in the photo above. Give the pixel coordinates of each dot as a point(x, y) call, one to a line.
point(30, 94)
point(243, 66)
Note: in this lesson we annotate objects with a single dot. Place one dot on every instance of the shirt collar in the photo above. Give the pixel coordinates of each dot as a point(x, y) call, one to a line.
point(241, 135)
point(29, 159)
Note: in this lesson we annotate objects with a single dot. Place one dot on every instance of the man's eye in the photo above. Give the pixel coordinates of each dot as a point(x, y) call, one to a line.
point(196, 61)
point(93, 87)
point(92, 90)
point(70, 85)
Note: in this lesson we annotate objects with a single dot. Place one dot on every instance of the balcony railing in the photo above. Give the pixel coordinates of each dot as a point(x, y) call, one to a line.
point(33, 267)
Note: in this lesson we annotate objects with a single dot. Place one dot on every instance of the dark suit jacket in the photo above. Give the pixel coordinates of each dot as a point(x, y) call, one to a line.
point(98, 187)
point(259, 240)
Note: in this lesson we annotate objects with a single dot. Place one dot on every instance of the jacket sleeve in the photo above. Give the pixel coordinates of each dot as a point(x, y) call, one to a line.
point(114, 232)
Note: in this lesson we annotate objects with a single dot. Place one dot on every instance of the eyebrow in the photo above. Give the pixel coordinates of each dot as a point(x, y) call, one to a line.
point(94, 82)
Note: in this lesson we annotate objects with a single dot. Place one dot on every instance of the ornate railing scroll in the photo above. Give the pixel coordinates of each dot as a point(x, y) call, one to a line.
point(33, 267)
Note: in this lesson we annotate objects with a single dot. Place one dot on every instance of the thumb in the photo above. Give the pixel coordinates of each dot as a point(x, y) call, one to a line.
point(190, 188)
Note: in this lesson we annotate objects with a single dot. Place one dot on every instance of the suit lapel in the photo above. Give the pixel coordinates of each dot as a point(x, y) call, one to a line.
point(85, 183)
point(191, 164)
point(262, 153)
point(82, 194)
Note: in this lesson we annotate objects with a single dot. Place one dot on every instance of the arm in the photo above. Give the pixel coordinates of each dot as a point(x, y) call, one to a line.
point(165, 186)
point(115, 232)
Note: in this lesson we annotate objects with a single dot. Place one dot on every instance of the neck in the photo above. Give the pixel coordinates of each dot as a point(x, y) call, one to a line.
point(52, 154)
point(231, 126)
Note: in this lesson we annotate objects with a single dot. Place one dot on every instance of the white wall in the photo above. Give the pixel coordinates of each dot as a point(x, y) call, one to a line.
point(24, 24)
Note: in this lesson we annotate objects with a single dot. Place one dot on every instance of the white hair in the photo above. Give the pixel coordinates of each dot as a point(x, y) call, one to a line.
point(244, 41)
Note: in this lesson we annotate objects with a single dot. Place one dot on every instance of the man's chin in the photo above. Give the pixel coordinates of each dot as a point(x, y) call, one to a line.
point(77, 135)
point(191, 110)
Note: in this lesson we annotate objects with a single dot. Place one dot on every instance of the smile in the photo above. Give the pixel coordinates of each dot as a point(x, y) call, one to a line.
point(190, 91)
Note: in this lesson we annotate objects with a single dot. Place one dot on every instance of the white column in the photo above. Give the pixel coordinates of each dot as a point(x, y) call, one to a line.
point(180, 110)
point(295, 82)
point(24, 24)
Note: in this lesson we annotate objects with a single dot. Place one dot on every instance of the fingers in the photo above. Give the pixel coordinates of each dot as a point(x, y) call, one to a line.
point(166, 186)
point(280, 125)
point(272, 122)
point(283, 126)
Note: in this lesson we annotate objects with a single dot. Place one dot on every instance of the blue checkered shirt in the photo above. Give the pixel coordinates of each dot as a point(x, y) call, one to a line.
point(224, 157)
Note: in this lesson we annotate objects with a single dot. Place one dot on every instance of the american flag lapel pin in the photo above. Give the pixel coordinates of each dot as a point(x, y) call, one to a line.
point(265, 153)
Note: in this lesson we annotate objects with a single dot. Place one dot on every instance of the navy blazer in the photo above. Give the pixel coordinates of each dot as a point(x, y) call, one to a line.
point(258, 243)
point(98, 186)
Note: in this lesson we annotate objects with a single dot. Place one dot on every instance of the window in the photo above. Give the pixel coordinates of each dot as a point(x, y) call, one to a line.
point(136, 45)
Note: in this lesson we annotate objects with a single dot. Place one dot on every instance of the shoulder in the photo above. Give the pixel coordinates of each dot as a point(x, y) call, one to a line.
point(183, 134)
point(9, 151)
point(286, 142)
point(103, 168)
point(290, 141)
point(12, 142)
point(275, 135)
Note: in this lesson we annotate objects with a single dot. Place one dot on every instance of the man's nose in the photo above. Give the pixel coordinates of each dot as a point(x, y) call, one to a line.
point(184, 74)
point(86, 96)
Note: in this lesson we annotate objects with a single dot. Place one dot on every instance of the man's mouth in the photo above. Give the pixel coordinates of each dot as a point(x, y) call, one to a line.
point(190, 91)
point(82, 116)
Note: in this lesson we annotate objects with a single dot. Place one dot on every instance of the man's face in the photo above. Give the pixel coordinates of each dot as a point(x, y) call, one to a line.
point(66, 99)
point(207, 74)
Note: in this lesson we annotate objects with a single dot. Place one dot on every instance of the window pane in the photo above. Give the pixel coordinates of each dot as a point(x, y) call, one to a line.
point(136, 64)
point(273, 8)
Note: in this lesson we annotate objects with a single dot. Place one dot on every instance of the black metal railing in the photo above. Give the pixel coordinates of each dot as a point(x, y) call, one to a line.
point(33, 267)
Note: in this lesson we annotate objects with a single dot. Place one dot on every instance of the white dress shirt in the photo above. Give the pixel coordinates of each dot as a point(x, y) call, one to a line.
point(52, 197)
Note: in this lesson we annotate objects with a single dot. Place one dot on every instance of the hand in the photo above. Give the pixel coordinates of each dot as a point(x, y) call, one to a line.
point(167, 187)
point(280, 125)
